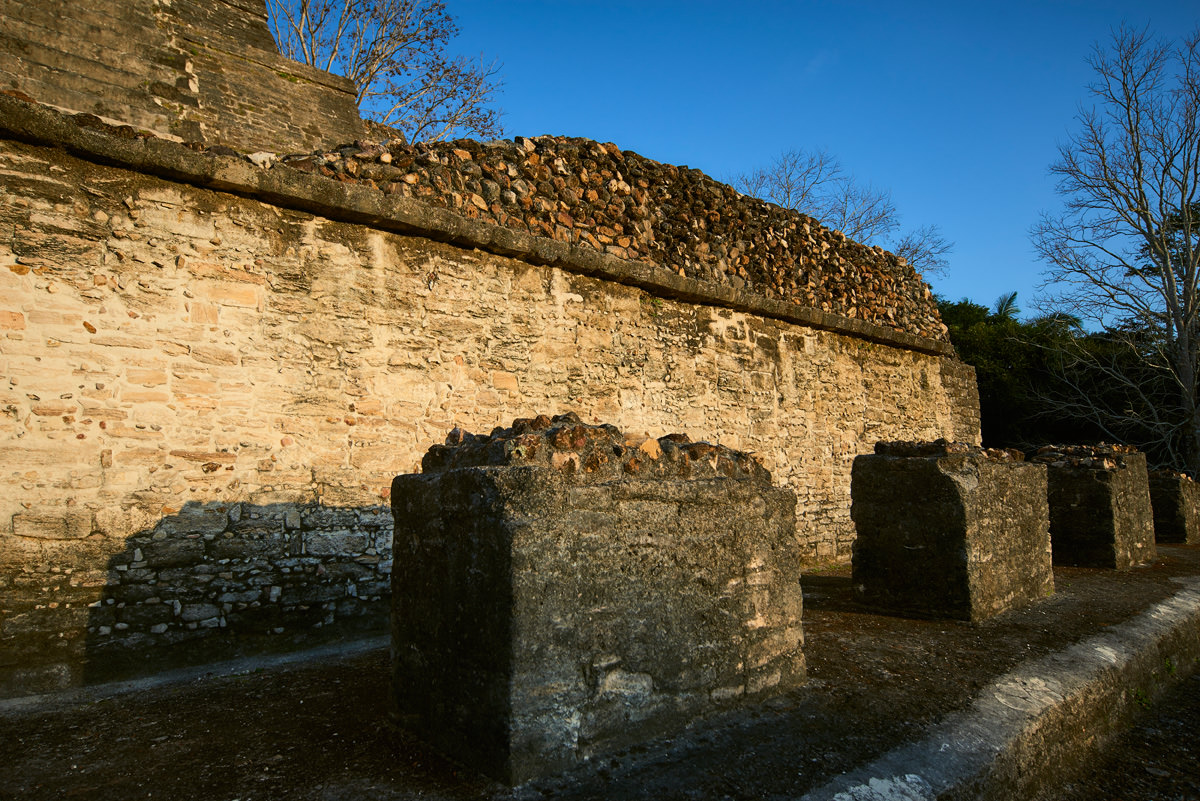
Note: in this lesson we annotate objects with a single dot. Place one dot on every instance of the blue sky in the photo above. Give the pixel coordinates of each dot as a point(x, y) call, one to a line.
point(956, 107)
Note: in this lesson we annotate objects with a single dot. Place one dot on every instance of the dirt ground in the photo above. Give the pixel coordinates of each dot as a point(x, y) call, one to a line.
point(1158, 760)
point(316, 730)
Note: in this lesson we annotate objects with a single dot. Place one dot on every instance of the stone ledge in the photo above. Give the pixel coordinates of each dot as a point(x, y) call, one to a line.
point(1092, 457)
point(1022, 726)
point(86, 137)
point(943, 447)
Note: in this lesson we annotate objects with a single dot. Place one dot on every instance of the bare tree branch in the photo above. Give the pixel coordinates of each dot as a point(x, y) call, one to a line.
point(926, 249)
point(1125, 250)
point(815, 184)
point(395, 52)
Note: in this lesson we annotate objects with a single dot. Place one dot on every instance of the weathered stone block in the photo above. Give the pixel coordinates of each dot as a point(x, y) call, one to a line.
point(1100, 514)
point(172, 552)
point(67, 525)
point(533, 627)
point(947, 530)
point(1175, 502)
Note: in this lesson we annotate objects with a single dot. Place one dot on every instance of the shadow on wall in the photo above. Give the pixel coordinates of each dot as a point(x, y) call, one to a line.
point(214, 581)
point(220, 580)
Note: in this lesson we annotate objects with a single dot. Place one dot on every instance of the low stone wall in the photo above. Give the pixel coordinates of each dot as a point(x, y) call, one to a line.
point(562, 591)
point(210, 581)
point(950, 530)
point(1100, 514)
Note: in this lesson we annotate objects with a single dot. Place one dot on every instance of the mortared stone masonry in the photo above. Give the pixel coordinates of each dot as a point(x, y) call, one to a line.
point(228, 321)
point(950, 530)
point(562, 591)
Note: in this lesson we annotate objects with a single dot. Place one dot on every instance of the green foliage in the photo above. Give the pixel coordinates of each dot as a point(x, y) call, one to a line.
point(1014, 365)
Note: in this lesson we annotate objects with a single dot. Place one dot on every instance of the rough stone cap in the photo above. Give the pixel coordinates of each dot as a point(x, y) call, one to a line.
point(1168, 473)
point(943, 447)
point(1103, 456)
point(592, 453)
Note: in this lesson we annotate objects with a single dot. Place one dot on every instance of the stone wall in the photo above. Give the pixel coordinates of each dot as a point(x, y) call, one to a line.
point(190, 342)
point(197, 70)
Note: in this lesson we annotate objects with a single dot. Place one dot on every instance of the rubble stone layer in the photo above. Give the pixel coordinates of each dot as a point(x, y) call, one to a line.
point(583, 192)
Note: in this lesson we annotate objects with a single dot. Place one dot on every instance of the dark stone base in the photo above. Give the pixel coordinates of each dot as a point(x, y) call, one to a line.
point(1175, 500)
point(956, 536)
point(539, 620)
point(1100, 512)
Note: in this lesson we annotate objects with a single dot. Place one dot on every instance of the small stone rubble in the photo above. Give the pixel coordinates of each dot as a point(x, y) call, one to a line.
point(591, 452)
point(943, 447)
point(1168, 473)
point(1101, 457)
point(585, 192)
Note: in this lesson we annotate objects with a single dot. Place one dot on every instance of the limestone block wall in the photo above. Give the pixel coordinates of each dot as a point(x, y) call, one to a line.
point(197, 70)
point(209, 380)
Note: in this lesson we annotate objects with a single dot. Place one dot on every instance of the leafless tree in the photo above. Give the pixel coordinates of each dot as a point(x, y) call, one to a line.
point(395, 52)
point(815, 184)
point(796, 179)
point(862, 212)
point(1124, 253)
point(926, 249)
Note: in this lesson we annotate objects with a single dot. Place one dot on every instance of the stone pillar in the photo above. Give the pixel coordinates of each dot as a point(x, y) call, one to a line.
point(561, 591)
point(1099, 505)
point(1175, 500)
point(949, 530)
